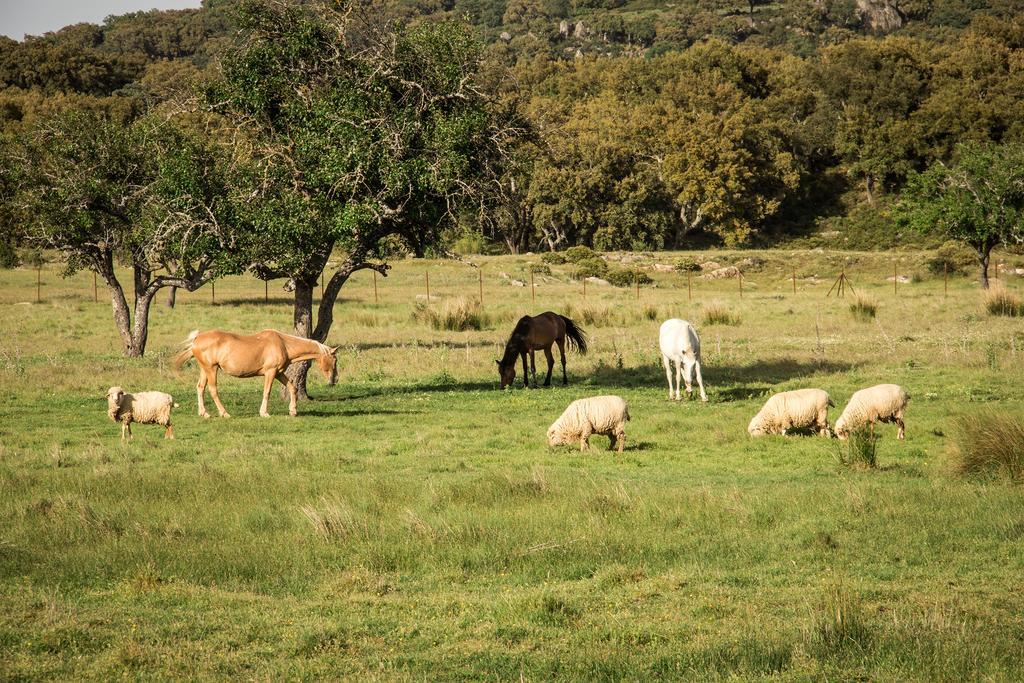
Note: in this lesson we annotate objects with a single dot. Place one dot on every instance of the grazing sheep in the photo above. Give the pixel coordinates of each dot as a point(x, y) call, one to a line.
point(680, 345)
point(145, 407)
point(596, 415)
point(884, 403)
point(793, 410)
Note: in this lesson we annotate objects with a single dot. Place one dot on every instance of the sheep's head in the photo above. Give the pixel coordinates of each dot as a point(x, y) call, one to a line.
point(842, 430)
point(756, 428)
point(555, 437)
point(114, 395)
point(507, 373)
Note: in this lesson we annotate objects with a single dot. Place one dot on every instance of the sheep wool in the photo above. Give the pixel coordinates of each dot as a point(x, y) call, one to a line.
point(605, 415)
point(144, 407)
point(792, 410)
point(880, 403)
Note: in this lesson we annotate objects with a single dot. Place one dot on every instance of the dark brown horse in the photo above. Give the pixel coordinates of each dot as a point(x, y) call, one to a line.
point(539, 332)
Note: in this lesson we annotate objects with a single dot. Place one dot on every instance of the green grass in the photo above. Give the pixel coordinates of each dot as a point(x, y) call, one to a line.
point(412, 524)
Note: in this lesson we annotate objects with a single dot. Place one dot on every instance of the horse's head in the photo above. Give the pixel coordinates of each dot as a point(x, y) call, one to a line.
point(507, 373)
point(328, 363)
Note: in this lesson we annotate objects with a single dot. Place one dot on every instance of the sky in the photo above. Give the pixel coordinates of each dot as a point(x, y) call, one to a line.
point(36, 17)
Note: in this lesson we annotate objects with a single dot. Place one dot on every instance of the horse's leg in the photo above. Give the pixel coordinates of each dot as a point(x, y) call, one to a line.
point(551, 365)
point(212, 381)
point(533, 366)
point(526, 372)
point(293, 392)
point(688, 376)
point(561, 351)
point(268, 382)
point(201, 392)
point(668, 374)
point(679, 380)
point(700, 382)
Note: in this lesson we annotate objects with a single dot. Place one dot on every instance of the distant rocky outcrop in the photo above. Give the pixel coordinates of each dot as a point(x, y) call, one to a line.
point(880, 16)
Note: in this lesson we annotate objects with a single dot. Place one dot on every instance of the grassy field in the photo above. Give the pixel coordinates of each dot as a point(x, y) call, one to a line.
point(410, 523)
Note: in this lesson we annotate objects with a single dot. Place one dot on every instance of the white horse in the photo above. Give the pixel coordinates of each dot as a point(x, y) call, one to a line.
point(680, 343)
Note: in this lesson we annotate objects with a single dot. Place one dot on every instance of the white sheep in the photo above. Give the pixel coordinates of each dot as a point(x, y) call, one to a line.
point(882, 403)
point(145, 407)
point(596, 415)
point(792, 410)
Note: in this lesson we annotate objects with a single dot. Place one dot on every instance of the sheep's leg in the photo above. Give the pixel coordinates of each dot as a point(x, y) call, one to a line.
point(169, 432)
point(551, 365)
point(823, 423)
point(128, 426)
point(668, 374)
point(124, 426)
point(561, 351)
point(201, 393)
point(584, 442)
point(621, 438)
point(526, 372)
point(268, 382)
point(902, 430)
point(612, 438)
point(212, 381)
point(700, 381)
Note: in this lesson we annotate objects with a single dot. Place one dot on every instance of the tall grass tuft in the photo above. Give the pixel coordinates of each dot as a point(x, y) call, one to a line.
point(650, 312)
point(860, 451)
point(841, 626)
point(455, 315)
point(333, 520)
point(590, 315)
point(1001, 301)
point(863, 309)
point(988, 441)
point(718, 314)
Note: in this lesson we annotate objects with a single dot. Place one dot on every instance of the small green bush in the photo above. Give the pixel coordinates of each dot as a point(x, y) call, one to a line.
point(859, 451)
point(591, 267)
point(687, 265)
point(540, 269)
point(555, 258)
point(988, 442)
point(625, 277)
point(468, 244)
point(1001, 301)
point(718, 314)
point(8, 256)
point(952, 257)
point(863, 309)
point(579, 254)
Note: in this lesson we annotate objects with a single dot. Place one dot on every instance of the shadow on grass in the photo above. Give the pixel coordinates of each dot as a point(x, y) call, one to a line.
point(313, 412)
point(435, 344)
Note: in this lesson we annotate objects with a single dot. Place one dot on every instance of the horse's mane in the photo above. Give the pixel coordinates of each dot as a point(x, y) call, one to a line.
point(324, 348)
point(516, 341)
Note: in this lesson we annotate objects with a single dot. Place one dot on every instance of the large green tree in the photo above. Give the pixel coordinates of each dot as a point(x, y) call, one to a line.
point(143, 195)
point(977, 200)
point(366, 134)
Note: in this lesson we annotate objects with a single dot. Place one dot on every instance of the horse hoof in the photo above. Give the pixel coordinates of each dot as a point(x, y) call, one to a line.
point(224, 415)
point(205, 416)
point(264, 414)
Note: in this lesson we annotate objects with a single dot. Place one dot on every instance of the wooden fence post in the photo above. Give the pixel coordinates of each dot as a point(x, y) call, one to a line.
point(739, 277)
point(375, 286)
point(533, 289)
point(945, 279)
point(266, 291)
point(213, 291)
point(480, 277)
point(895, 278)
point(689, 287)
point(794, 281)
point(427, 277)
point(95, 296)
point(39, 282)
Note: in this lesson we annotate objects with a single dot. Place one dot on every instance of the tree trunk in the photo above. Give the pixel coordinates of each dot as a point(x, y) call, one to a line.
point(984, 253)
point(302, 320)
point(172, 296)
point(869, 187)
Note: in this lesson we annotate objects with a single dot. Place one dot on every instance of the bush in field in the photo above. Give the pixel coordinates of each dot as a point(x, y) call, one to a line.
point(989, 442)
point(580, 253)
point(1001, 301)
point(555, 258)
point(863, 309)
point(8, 255)
point(591, 316)
point(625, 277)
point(952, 258)
point(718, 314)
point(687, 265)
point(468, 244)
point(591, 267)
point(841, 626)
point(455, 315)
point(859, 451)
point(540, 269)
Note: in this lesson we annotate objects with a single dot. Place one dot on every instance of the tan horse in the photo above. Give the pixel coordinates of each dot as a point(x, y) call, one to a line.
point(539, 332)
point(267, 353)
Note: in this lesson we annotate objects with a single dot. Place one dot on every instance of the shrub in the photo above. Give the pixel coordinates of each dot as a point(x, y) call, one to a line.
point(863, 309)
point(990, 442)
point(593, 316)
point(591, 267)
point(650, 312)
point(580, 253)
point(1001, 301)
point(540, 269)
point(469, 243)
point(687, 265)
point(840, 626)
point(555, 258)
point(625, 277)
point(8, 255)
point(951, 257)
point(859, 451)
point(718, 314)
point(456, 315)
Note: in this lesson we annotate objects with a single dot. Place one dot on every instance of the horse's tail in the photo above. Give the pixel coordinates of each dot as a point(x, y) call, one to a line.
point(185, 355)
point(576, 336)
